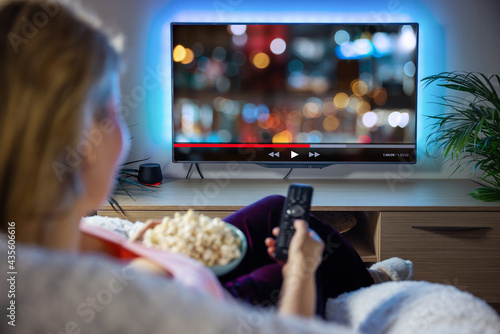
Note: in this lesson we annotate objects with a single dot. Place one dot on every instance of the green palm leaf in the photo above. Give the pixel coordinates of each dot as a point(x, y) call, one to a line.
point(124, 179)
point(469, 134)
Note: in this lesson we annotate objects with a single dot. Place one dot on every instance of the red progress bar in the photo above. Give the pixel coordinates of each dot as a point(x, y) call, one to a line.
point(246, 145)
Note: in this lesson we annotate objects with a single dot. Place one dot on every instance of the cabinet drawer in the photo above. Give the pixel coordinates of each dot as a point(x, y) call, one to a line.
point(459, 248)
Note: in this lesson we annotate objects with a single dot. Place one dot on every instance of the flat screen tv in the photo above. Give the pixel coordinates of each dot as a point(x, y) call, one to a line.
point(294, 95)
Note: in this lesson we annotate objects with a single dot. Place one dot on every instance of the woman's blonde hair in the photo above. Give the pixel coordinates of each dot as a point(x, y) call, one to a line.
point(55, 79)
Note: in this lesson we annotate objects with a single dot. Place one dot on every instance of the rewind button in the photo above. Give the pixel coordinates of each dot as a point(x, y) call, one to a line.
point(274, 154)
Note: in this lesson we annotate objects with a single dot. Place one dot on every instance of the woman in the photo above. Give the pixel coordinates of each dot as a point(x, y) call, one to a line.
point(62, 141)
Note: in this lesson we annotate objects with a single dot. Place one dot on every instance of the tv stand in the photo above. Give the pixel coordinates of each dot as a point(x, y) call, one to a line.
point(450, 237)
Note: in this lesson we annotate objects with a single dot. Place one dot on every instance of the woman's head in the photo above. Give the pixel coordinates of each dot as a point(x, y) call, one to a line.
point(60, 134)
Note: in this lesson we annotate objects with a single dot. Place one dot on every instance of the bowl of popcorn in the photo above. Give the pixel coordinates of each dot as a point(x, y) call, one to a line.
point(217, 244)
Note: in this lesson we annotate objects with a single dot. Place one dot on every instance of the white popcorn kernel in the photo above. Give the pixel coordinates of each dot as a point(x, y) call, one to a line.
point(198, 236)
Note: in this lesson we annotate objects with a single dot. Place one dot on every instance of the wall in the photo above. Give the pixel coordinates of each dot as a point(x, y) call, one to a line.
point(455, 35)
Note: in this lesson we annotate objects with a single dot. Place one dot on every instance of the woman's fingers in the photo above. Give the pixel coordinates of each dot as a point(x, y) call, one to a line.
point(270, 251)
point(150, 223)
point(270, 242)
point(276, 231)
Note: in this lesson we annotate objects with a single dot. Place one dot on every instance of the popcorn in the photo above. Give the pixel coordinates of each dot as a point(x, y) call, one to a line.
point(204, 239)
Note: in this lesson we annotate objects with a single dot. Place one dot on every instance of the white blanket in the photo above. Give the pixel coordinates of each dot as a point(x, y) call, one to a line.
point(412, 307)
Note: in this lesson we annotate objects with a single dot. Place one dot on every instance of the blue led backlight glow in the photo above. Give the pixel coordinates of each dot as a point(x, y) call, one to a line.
point(431, 50)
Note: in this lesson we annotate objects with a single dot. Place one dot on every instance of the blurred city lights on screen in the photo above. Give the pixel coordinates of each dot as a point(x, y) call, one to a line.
point(359, 87)
point(397, 118)
point(219, 54)
point(219, 103)
point(200, 81)
point(353, 103)
point(278, 46)
point(355, 50)
point(295, 66)
point(273, 122)
point(394, 118)
point(190, 114)
point(341, 100)
point(342, 85)
point(232, 69)
point(231, 107)
point(331, 123)
point(283, 137)
point(294, 118)
point(297, 80)
point(363, 107)
point(382, 42)
point(262, 112)
point(319, 84)
point(380, 96)
point(408, 86)
point(410, 69)
point(314, 137)
point(179, 53)
point(240, 40)
point(239, 58)
point(308, 49)
point(329, 108)
point(404, 120)
point(206, 116)
point(342, 37)
point(198, 49)
point(224, 136)
point(249, 113)
point(188, 59)
point(222, 84)
point(364, 139)
point(370, 119)
point(237, 29)
point(261, 60)
point(363, 47)
point(203, 64)
point(312, 108)
point(407, 39)
point(368, 79)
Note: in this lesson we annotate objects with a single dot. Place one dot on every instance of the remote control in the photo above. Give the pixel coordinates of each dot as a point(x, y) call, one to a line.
point(297, 206)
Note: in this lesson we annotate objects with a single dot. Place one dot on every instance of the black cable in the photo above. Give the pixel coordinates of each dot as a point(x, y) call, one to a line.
point(287, 175)
point(199, 171)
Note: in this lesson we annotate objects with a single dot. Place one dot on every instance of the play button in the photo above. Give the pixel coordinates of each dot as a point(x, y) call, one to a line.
point(293, 154)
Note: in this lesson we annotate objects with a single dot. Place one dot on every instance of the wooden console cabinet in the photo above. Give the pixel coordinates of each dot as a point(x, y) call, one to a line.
point(450, 237)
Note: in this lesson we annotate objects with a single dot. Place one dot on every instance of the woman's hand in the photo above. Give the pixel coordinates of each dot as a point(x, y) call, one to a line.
point(298, 293)
point(305, 249)
point(149, 224)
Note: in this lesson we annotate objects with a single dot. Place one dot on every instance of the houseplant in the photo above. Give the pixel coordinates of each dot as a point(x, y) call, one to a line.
point(127, 176)
point(469, 134)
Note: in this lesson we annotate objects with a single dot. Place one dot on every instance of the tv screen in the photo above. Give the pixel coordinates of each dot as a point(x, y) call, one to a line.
point(294, 94)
